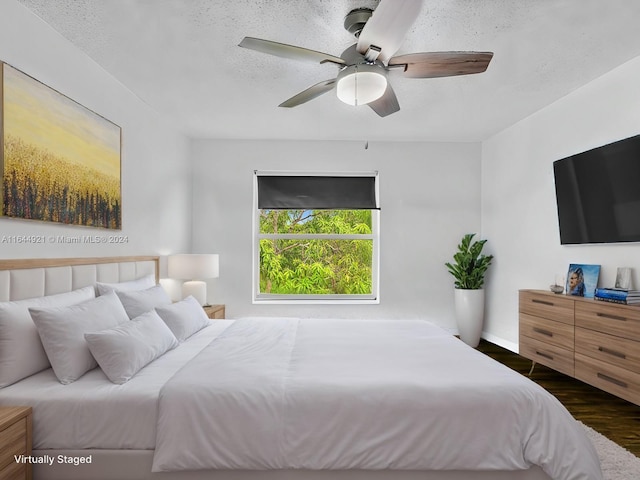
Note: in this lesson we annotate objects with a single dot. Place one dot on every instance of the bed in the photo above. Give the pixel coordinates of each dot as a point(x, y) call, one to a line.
point(290, 398)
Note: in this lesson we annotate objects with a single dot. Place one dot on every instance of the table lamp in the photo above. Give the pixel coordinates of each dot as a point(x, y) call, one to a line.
point(194, 268)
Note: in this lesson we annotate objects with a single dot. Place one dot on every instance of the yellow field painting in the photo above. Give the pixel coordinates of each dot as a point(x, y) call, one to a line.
point(60, 161)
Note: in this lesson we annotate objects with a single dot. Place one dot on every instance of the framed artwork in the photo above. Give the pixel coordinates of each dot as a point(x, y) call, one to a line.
point(60, 162)
point(582, 280)
point(623, 278)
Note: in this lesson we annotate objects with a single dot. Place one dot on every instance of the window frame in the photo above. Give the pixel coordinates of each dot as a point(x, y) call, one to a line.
point(331, 299)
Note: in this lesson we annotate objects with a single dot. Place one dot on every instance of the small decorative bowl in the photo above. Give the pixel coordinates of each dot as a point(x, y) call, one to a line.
point(556, 288)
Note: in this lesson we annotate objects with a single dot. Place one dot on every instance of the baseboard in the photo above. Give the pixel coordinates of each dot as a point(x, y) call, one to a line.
point(501, 342)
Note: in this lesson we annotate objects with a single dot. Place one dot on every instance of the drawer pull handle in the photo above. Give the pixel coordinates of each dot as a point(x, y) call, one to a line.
point(615, 381)
point(612, 317)
point(544, 355)
point(612, 352)
point(541, 331)
point(543, 302)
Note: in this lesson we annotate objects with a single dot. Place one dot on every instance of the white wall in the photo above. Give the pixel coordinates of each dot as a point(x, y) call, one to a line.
point(429, 194)
point(519, 215)
point(155, 156)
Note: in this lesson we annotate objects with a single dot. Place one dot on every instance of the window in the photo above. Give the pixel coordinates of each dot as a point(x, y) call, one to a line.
point(316, 238)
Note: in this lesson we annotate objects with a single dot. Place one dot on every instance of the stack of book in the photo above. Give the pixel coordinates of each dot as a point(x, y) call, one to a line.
point(618, 295)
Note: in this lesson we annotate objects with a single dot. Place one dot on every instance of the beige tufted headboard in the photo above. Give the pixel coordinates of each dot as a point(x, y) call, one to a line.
point(37, 277)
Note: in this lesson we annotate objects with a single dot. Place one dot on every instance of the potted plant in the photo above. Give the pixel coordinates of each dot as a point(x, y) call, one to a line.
point(468, 270)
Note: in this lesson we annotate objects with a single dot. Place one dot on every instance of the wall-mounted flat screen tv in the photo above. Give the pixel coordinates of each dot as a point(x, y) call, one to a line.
point(598, 194)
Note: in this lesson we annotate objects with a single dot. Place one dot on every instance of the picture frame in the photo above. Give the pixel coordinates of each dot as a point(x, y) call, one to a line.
point(582, 280)
point(623, 278)
point(59, 161)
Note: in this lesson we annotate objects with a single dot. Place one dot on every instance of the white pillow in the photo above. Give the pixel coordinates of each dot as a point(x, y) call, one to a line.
point(21, 352)
point(62, 332)
point(184, 318)
point(122, 351)
point(139, 284)
point(140, 301)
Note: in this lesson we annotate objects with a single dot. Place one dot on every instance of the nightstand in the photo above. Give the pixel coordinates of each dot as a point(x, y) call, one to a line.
point(15, 439)
point(215, 312)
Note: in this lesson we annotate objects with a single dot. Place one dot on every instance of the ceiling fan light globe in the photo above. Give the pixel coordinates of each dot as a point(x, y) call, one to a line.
point(361, 84)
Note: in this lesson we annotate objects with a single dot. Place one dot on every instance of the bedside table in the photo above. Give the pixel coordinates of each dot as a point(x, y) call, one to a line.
point(15, 439)
point(215, 312)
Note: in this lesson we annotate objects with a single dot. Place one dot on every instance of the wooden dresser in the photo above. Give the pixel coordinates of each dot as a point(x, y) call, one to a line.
point(547, 330)
point(15, 439)
point(596, 342)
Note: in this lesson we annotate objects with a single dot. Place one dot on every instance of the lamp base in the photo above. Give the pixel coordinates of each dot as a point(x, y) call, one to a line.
point(197, 289)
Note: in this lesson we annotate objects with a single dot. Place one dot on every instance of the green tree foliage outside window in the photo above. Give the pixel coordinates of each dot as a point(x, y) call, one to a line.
point(314, 265)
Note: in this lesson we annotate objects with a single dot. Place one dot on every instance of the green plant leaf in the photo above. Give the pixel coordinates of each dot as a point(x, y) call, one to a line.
point(470, 265)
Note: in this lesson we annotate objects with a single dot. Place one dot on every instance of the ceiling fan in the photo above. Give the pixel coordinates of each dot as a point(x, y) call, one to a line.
point(364, 66)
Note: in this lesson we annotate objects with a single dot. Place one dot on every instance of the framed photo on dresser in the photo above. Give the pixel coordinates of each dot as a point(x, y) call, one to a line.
point(623, 278)
point(582, 280)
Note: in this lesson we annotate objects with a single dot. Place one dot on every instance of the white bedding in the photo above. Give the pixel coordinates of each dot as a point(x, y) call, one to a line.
point(336, 394)
point(95, 413)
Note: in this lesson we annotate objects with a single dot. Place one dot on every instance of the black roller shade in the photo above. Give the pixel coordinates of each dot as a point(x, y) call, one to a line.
point(288, 192)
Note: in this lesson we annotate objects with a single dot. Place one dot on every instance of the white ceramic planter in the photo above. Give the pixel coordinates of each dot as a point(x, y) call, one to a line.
point(469, 307)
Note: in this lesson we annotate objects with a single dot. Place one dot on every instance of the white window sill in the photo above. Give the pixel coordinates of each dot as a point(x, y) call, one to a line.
point(314, 300)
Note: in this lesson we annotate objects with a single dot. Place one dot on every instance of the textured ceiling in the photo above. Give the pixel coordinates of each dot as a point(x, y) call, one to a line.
point(181, 57)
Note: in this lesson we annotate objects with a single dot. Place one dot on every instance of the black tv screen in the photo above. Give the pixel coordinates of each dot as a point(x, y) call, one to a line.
point(598, 194)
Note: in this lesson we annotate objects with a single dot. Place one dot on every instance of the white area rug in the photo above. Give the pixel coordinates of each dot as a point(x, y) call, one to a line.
point(616, 462)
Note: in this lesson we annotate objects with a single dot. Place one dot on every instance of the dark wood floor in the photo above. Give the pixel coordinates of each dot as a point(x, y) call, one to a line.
point(613, 417)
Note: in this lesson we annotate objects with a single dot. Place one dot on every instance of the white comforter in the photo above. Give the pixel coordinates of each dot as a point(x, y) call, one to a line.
point(336, 394)
point(95, 413)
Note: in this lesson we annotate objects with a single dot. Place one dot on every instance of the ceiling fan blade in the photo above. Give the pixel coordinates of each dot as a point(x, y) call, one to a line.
point(387, 26)
point(288, 51)
point(386, 104)
point(309, 94)
point(442, 64)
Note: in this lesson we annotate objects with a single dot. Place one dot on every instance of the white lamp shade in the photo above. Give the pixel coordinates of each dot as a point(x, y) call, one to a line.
point(193, 266)
point(361, 84)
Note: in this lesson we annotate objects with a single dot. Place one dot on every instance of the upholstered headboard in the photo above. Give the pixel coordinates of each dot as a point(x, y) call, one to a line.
point(28, 278)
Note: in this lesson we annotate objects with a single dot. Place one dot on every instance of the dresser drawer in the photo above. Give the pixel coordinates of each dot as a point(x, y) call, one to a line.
point(552, 356)
point(547, 331)
point(551, 306)
point(13, 441)
point(618, 351)
point(619, 320)
point(611, 378)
